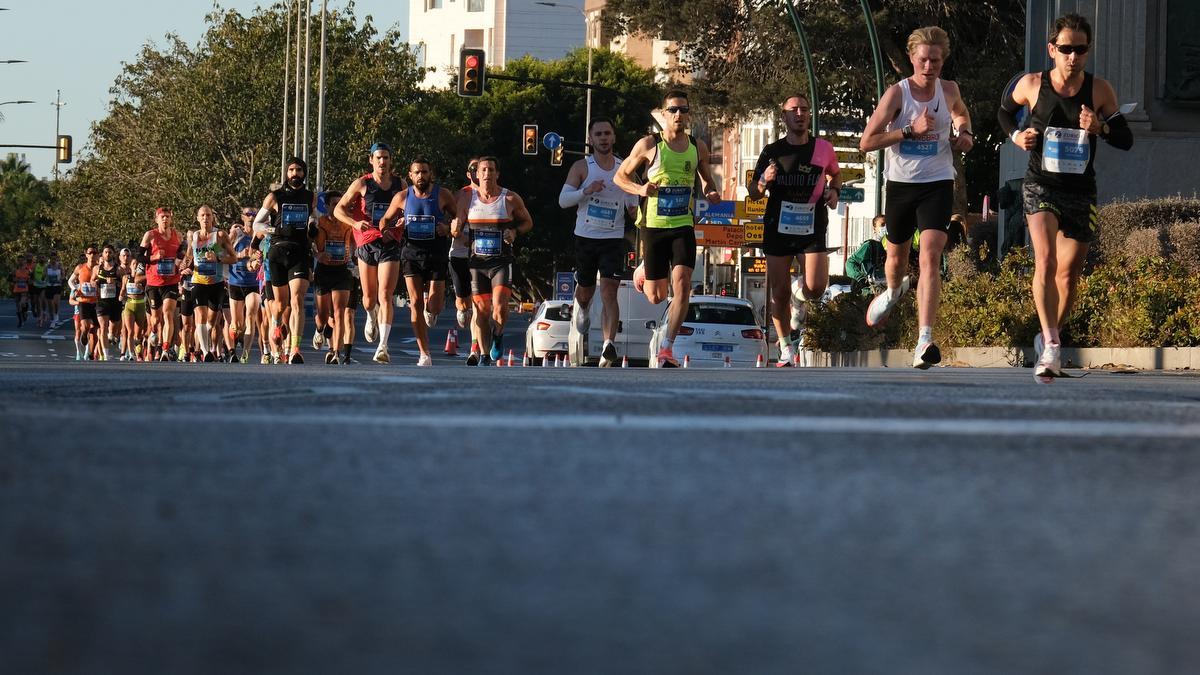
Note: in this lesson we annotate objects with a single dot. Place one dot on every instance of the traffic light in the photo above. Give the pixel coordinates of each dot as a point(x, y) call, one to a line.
point(631, 260)
point(64, 149)
point(529, 139)
point(556, 155)
point(471, 72)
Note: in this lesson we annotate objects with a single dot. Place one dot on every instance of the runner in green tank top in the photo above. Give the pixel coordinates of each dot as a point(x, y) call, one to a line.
point(672, 160)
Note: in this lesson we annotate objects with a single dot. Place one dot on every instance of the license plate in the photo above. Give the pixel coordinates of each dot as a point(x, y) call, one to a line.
point(711, 347)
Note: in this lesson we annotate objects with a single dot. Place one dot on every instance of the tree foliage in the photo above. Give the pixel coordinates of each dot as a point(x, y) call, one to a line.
point(24, 204)
point(744, 54)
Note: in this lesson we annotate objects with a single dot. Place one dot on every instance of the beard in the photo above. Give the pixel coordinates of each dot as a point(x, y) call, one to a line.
point(295, 183)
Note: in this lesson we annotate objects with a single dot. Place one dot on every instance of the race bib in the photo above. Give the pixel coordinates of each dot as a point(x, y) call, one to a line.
point(294, 217)
point(922, 146)
point(378, 211)
point(602, 212)
point(420, 228)
point(108, 291)
point(674, 200)
point(206, 268)
point(796, 219)
point(336, 250)
point(87, 290)
point(487, 242)
point(20, 287)
point(1066, 150)
point(165, 267)
point(52, 276)
point(133, 289)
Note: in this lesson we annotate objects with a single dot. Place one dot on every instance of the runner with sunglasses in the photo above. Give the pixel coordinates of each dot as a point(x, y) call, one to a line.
point(1070, 109)
point(83, 286)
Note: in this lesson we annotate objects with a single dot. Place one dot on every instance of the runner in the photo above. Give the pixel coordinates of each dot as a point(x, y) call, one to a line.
point(919, 123)
point(54, 282)
point(460, 271)
point(83, 286)
point(41, 303)
point(133, 318)
point(290, 210)
point(186, 336)
point(244, 298)
point(1070, 109)
point(161, 251)
point(333, 282)
point(674, 159)
point(425, 209)
point(600, 208)
point(792, 173)
point(493, 216)
point(378, 250)
point(208, 250)
point(108, 310)
point(21, 278)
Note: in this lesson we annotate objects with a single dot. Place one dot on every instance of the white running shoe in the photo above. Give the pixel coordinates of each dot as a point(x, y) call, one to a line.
point(430, 319)
point(463, 316)
point(1049, 366)
point(318, 341)
point(799, 313)
point(926, 355)
point(381, 355)
point(884, 303)
point(370, 330)
point(608, 355)
point(425, 360)
point(1039, 345)
point(787, 356)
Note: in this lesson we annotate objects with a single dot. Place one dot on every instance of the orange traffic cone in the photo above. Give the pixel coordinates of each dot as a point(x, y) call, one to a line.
point(758, 363)
point(452, 342)
point(687, 360)
point(546, 361)
point(524, 359)
point(624, 361)
point(510, 358)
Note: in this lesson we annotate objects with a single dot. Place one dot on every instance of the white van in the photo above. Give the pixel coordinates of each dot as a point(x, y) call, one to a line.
point(633, 338)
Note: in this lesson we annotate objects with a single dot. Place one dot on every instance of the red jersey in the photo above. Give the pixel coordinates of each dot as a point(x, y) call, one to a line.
point(163, 269)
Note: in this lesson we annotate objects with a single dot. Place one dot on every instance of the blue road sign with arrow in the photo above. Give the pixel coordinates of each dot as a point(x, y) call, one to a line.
point(551, 140)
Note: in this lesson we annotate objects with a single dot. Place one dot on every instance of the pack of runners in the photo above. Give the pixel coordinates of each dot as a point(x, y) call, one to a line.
point(206, 294)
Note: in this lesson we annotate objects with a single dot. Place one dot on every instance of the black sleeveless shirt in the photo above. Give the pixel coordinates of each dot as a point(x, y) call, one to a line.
point(291, 224)
point(1064, 153)
point(376, 198)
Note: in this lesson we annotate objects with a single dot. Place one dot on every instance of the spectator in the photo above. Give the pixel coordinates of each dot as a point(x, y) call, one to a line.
point(957, 233)
point(865, 265)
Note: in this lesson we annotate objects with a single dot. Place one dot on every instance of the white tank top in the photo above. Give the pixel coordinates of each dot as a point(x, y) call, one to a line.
point(460, 246)
point(926, 158)
point(601, 215)
point(487, 223)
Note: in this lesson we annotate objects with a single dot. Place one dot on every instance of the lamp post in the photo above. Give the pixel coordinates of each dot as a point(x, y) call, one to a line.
point(587, 39)
point(14, 61)
point(58, 106)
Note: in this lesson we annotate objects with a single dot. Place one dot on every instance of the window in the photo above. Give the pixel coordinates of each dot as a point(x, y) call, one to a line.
point(1183, 52)
point(474, 5)
point(433, 4)
point(730, 315)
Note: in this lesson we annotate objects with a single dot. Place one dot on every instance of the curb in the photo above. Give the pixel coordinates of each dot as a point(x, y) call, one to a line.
point(1107, 358)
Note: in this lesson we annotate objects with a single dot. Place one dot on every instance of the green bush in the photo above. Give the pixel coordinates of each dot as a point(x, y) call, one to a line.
point(1119, 219)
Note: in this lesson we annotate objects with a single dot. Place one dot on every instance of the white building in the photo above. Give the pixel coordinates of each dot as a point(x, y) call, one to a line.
point(505, 29)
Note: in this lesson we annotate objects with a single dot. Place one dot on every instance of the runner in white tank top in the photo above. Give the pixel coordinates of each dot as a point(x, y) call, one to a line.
point(600, 209)
point(919, 123)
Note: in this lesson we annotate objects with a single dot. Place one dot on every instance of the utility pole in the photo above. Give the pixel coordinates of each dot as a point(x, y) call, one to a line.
point(307, 76)
point(58, 105)
point(320, 184)
point(287, 51)
point(296, 113)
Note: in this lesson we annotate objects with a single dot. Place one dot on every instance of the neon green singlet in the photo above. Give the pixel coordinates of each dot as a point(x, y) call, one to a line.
point(675, 173)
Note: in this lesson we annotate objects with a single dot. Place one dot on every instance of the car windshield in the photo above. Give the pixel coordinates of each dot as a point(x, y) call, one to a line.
point(558, 313)
point(740, 315)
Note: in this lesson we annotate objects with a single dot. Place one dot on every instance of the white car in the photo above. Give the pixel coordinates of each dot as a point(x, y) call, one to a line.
point(715, 327)
point(548, 331)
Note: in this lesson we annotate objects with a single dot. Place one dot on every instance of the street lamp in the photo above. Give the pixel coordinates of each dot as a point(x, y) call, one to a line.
point(14, 61)
point(587, 26)
point(12, 103)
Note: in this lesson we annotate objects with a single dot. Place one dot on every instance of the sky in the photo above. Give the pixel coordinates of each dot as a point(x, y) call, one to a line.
point(97, 37)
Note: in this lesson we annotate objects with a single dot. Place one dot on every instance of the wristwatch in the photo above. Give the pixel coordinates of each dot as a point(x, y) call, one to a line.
point(908, 132)
point(1104, 129)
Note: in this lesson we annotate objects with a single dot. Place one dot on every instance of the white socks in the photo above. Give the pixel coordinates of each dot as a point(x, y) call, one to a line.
point(385, 330)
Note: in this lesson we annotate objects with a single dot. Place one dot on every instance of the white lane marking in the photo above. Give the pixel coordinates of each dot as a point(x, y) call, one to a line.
point(9, 336)
point(741, 424)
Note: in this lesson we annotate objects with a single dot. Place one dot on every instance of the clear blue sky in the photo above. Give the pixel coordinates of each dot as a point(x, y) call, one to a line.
point(97, 37)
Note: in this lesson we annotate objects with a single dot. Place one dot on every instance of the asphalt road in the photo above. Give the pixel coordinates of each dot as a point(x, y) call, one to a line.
point(213, 518)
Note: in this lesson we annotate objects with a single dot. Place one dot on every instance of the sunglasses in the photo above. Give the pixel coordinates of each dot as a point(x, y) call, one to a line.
point(681, 109)
point(249, 212)
point(1067, 50)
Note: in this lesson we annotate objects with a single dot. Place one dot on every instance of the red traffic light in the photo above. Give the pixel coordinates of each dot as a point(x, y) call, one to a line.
point(472, 61)
point(471, 72)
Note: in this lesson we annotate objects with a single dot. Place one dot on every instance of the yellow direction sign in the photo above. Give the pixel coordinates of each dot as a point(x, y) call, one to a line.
point(754, 233)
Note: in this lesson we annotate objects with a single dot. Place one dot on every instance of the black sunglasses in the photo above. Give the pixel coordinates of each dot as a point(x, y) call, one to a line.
point(684, 109)
point(1072, 49)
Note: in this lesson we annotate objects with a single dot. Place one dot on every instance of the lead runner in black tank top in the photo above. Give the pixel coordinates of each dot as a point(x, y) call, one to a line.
point(1070, 109)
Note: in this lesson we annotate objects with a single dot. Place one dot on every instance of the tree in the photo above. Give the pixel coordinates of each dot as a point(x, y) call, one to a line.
point(24, 203)
point(744, 54)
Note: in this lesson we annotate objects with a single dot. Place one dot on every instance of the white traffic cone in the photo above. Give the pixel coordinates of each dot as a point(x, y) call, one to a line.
point(510, 358)
point(758, 363)
point(687, 360)
point(624, 361)
point(524, 359)
point(546, 361)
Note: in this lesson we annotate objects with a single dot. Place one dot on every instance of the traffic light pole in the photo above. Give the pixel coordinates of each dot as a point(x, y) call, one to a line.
point(561, 83)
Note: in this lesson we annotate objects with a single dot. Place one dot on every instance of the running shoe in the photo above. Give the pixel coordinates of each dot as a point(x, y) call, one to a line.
point(245, 356)
point(608, 355)
point(381, 355)
point(463, 316)
point(1049, 366)
point(486, 361)
point(787, 357)
point(318, 340)
point(666, 358)
point(473, 359)
point(165, 357)
point(884, 303)
point(210, 357)
point(330, 357)
point(370, 330)
point(926, 355)
point(580, 318)
point(265, 360)
point(296, 358)
point(430, 319)
point(425, 360)
point(495, 352)
point(1039, 344)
